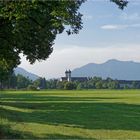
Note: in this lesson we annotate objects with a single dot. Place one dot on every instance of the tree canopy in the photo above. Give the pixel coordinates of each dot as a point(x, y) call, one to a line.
point(31, 26)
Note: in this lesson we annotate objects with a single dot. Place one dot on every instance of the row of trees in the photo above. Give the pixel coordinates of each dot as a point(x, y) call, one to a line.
point(21, 82)
point(92, 83)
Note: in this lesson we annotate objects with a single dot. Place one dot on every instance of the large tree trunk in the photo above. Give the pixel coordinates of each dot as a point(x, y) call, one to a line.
point(1, 85)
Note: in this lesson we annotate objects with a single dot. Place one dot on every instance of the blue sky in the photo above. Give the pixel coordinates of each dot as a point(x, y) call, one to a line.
point(108, 33)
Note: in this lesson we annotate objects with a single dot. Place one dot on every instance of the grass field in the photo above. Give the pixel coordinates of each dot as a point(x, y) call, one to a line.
point(97, 114)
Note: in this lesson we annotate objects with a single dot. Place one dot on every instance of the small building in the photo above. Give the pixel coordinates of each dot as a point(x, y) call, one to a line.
point(125, 83)
point(69, 78)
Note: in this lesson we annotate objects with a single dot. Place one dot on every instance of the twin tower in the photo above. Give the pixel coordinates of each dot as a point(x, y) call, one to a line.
point(69, 78)
point(68, 75)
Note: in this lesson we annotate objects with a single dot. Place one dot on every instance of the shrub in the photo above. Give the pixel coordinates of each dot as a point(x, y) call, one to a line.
point(69, 86)
point(32, 87)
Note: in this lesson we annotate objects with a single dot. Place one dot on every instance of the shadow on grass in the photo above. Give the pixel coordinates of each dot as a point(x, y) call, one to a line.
point(7, 133)
point(43, 97)
point(112, 116)
point(60, 136)
point(78, 112)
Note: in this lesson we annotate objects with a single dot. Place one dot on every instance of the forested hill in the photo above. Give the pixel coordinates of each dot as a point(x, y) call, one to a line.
point(25, 73)
point(121, 70)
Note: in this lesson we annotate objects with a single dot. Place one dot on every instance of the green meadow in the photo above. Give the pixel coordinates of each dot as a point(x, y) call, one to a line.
point(95, 114)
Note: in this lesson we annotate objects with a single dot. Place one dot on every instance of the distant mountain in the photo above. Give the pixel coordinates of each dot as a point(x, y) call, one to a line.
point(121, 70)
point(25, 73)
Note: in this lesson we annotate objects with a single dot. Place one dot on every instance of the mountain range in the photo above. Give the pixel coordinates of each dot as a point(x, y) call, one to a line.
point(25, 73)
point(115, 69)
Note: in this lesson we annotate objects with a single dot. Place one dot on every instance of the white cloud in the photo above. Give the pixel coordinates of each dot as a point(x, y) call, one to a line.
point(134, 16)
point(119, 27)
point(113, 27)
point(72, 57)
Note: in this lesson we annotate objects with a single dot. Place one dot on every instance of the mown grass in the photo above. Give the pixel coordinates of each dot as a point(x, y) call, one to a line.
point(95, 114)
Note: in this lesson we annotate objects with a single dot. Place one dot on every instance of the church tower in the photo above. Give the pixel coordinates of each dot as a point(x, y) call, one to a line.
point(69, 76)
point(66, 74)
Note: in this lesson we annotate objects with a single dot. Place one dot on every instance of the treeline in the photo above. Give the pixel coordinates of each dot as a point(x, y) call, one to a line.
point(93, 83)
point(21, 82)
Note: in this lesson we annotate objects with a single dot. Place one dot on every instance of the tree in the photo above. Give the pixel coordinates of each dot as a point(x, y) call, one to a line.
point(126, 87)
point(79, 86)
point(52, 84)
point(98, 85)
point(60, 84)
point(105, 85)
point(91, 84)
point(113, 84)
point(31, 26)
point(22, 82)
point(31, 87)
point(40, 82)
point(135, 85)
point(69, 86)
point(120, 3)
point(12, 81)
point(5, 71)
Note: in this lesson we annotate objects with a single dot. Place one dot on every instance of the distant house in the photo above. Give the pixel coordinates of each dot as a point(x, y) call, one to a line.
point(122, 83)
point(129, 83)
point(69, 78)
point(125, 83)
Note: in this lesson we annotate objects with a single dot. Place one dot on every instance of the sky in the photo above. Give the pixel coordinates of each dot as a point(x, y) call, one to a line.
point(108, 33)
